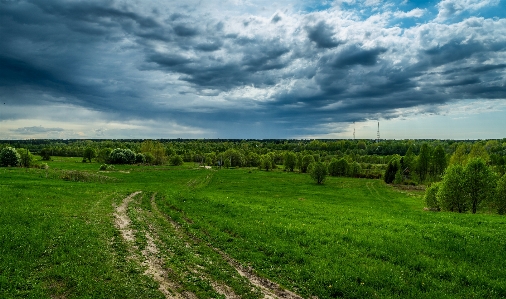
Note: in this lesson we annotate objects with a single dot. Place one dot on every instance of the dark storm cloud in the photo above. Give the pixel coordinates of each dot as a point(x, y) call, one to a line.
point(322, 36)
point(136, 61)
point(353, 55)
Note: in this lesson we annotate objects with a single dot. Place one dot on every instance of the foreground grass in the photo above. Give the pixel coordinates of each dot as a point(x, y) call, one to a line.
point(348, 238)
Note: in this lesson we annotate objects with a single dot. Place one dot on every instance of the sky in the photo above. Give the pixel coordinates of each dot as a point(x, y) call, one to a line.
point(252, 69)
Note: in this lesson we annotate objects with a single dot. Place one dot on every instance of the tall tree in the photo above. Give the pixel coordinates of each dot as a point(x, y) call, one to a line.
point(423, 162)
point(439, 161)
point(452, 195)
point(479, 182)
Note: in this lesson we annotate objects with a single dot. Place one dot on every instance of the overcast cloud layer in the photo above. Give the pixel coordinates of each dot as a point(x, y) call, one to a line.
point(241, 69)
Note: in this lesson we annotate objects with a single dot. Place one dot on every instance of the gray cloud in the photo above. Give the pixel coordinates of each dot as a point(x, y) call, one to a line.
point(284, 71)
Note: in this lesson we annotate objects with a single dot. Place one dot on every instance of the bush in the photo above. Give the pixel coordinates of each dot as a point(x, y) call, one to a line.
point(89, 154)
point(392, 168)
point(9, 157)
point(26, 158)
point(140, 158)
point(306, 160)
point(338, 167)
point(318, 172)
point(452, 195)
point(431, 197)
point(122, 156)
point(176, 160)
point(45, 153)
point(104, 155)
point(105, 167)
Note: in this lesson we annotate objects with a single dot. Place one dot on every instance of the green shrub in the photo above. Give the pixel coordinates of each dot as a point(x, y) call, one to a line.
point(318, 172)
point(430, 197)
point(176, 160)
point(9, 157)
point(122, 156)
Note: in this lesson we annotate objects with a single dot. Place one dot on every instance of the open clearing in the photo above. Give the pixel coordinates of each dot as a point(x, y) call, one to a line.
point(185, 232)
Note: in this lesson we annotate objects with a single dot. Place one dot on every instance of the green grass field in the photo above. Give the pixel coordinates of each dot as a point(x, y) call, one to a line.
point(351, 238)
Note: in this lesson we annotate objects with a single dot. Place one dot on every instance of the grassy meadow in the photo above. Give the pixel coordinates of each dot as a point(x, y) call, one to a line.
point(350, 238)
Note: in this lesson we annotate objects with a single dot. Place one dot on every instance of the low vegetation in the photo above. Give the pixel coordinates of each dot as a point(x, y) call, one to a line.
point(145, 230)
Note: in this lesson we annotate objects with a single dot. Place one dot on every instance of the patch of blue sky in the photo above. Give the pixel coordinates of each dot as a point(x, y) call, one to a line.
point(316, 5)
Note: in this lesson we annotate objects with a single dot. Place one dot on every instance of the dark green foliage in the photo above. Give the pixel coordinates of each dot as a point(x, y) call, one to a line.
point(104, 155)
point(430, 197)
point(452, 195)
point(266, 162)
point(122, 156)
point(392, 168)
point(9, 157)
point(318, 172)
point(89, 154)
point(45, 153)
point(423, 162)
point(501, 195)
point(289, 161)
point(439, 161)
point(176, 160)
point(338, 167)
point(140, 158)
point(479, 184)
point(26, 158)
point(306, 160)
point(149, 158)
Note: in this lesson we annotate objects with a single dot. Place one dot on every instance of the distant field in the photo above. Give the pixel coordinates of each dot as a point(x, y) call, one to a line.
point(353, 238)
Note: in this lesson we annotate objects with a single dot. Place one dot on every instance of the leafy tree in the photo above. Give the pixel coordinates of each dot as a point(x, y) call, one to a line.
point(176, 160)
point(290, 160)
point(339, 167)
point(140, 158)
point(45, 153)
point(9, 157)
point(460, 155)
point(479, 182)
point(26, 158)
point(479, 151)
point(149, 158)
point(393, 167)
point(122, 156)
point(431, 200)
point(89, 154)
point(318, 172)
point(104, 155)
point(306, 160)
point(155, 148)
point(354, 169)
point(452, 195)
point(439, 161)
point(409, 160)
point(266, 162)
point(423, 162)
point(501, 195)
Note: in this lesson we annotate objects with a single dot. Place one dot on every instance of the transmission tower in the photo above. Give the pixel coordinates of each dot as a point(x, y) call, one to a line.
point(378, 134)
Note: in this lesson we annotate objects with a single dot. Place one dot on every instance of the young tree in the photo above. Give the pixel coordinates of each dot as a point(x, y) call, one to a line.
point(89, 154)
point(393, 167)
point(266, 162)
point(26, 158)
point(480, 182)
point(45, 153)
point(439, 161)
point(460, 155)
point(290, 160)
point(430, 197)
point(318, 172)
point(176, 160)
point(452, 195)
point(9, 157)
point(306, 160)
point(423, 162)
